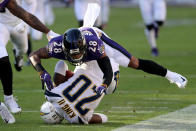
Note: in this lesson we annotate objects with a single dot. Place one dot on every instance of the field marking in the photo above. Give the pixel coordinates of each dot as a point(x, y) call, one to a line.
point(180, 120)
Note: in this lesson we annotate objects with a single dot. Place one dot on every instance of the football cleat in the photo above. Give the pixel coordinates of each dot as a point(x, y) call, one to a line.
point(178, 79)
point(5, 114)
point(11, 104)
point(155, 52)
point(18, 63)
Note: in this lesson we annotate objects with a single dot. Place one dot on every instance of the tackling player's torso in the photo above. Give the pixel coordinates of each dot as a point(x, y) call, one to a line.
point(95, 47)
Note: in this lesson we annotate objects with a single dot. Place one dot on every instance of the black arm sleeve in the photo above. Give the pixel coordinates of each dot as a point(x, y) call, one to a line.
point(105, 65)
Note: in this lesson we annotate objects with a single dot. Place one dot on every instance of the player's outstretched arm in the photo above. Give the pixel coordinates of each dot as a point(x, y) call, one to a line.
point(30, 19)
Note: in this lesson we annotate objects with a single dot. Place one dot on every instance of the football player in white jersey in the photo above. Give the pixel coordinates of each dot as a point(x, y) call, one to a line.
point(75, 99)
point(6, 74)
point(89, 43)
point(154, 14)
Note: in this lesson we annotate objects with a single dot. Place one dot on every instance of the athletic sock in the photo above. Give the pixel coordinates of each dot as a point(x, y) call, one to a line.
point(152, 67)
point(6, 75)
point(150, 34)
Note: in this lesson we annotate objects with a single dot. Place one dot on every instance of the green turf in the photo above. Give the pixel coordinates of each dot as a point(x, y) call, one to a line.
point(139, 96)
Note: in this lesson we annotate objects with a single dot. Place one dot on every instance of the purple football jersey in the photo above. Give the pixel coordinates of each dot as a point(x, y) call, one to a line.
point(95, 47)
point(3, 3)
point(55, 48)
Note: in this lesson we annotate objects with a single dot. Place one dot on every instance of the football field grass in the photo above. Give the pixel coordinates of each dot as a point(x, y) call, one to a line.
point(139, 96)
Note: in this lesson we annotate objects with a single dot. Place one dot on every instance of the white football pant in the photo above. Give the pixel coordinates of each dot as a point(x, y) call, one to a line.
point(19, 40)
point(152, 10)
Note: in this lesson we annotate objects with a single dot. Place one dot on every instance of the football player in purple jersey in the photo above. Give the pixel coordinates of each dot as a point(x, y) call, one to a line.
point(6, 74)
point(89, 43)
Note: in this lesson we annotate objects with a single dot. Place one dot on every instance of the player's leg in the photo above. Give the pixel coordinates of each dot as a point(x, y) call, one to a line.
point(80, 7)
point(30, 6)
point(105, 10)
point(152, 67)
point(39, 13)
point(124, 58)
point(49, 14)
point(6, 115)
point(159, 9)
point(6, 74)
point(20, 43)
point(146, 7)
point(98, 118)
point(62, 73)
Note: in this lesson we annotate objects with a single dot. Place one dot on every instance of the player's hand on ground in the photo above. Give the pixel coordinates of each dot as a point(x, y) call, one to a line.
point(20, 28)
point(101, 89)
point(51, 35)
point(46, 80)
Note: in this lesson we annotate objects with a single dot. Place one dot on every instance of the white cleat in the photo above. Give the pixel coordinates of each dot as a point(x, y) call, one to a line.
point(12, 105)
point(178, 79)
point(6, 115)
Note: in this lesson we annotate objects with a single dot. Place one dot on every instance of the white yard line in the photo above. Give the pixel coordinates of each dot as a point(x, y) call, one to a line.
point(180, 120)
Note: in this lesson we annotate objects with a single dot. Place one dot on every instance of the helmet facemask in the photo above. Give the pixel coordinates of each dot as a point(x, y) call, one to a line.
point(74, 47)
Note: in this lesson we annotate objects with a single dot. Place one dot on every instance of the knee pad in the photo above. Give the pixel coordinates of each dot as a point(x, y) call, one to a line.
point(61, 68)
point(150, 27)
point(159, 23)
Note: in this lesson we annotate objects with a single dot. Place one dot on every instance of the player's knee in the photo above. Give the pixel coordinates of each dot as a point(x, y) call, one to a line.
point(134, 63)
point(149, 27)
point(61, 67)
point(160, 23)
point(98, 118)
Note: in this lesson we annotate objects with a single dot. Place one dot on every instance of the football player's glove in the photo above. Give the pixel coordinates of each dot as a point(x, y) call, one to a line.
point(46, 80)
point(101, 89)
point(51, 35)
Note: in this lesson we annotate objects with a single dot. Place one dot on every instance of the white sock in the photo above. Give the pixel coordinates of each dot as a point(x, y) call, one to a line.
point(61, 67)
point(150, 34)
point(103, 117)
point(169, 75)
point(8, 97)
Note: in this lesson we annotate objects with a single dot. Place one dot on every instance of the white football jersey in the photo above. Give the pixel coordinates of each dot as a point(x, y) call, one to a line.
point(76, 99)
point(8, 18)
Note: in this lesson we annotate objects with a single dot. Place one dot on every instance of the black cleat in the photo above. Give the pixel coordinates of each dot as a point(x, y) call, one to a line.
point(155, 52)
point(18, 63)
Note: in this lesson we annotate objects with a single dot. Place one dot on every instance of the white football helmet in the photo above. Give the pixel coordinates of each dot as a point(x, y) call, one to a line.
point(49, 114)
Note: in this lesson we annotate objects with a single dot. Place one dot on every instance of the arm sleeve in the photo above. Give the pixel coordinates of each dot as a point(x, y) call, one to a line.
point(105, 65)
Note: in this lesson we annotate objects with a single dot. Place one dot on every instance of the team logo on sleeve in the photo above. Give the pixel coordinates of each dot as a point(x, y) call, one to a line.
point(86, 32)
point(102, 49)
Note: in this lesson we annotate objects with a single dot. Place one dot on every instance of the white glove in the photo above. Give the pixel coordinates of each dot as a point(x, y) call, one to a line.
point(51, 35)
point(20, 28)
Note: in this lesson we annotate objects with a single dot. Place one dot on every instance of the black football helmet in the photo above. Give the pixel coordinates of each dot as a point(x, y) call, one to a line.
point(74, 46)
